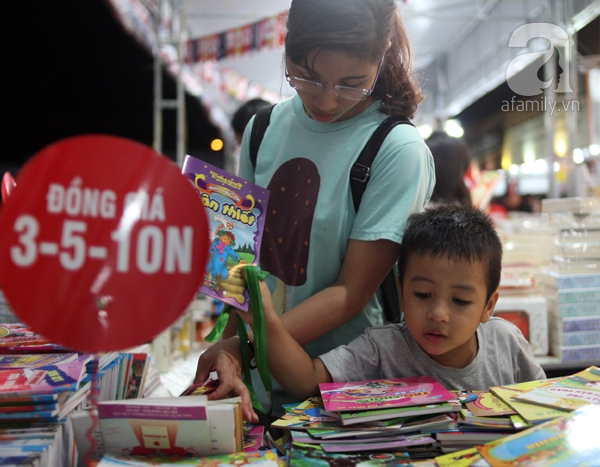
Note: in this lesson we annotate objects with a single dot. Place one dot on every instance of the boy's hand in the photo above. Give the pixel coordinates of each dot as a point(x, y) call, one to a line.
point(267, 301)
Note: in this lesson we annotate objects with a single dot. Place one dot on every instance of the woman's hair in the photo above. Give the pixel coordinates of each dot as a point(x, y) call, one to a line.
point(361, 28)
point(452, 159)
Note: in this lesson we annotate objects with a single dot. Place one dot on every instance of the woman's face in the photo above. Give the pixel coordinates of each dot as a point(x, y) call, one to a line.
point(334, 69)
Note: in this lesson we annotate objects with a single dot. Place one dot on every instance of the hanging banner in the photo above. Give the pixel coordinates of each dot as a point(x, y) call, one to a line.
point(267, 32)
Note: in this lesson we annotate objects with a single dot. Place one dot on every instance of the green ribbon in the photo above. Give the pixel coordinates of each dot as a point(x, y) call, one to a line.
point(253, 278)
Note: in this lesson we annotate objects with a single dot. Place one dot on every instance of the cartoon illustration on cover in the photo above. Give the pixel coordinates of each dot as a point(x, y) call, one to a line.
point(236, 212)
point(389, 392)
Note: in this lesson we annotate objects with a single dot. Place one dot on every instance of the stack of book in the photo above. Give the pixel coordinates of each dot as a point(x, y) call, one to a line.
point(381, 415)
point(484, 417)
point(41, 387)
point(572, 287)
point(552, 411)
point(44, 385)
point(563, 413)
point(186, 426)
point(36, 398)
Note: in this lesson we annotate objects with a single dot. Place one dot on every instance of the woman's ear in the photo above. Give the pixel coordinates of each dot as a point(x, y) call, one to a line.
point(489, 307)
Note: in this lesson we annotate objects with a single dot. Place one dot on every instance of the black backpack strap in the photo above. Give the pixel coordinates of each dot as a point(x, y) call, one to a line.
point(261, 122)
point(359, 177)
point(361, 170)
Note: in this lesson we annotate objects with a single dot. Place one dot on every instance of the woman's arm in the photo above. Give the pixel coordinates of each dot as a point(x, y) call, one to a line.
point(364, 268)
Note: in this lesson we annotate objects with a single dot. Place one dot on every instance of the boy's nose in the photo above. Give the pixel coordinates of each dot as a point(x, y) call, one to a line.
point(439, 313)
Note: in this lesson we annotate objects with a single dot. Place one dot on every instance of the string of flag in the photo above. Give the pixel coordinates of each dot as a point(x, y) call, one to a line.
point(265, 33)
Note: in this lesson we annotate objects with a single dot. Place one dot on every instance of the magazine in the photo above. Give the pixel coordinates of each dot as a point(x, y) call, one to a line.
point(236, 211)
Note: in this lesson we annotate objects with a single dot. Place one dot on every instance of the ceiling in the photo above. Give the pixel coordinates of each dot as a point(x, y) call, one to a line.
point(433, 26)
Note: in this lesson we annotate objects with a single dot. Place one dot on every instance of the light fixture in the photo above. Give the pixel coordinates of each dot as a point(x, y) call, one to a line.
point(216, 144)
point(453, 128)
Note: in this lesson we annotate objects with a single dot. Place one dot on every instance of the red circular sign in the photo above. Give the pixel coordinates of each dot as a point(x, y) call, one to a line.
point(103, 243)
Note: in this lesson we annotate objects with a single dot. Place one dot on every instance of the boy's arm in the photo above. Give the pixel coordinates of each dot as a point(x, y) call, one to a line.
point(291, 366)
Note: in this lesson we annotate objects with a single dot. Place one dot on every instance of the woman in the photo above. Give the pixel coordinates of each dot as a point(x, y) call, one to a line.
point(349, 61)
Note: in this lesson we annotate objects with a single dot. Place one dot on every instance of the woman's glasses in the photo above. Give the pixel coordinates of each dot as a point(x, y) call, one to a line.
point(344, 92)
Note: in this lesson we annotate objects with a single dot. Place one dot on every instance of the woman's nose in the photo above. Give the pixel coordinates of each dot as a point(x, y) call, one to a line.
point(326, 99)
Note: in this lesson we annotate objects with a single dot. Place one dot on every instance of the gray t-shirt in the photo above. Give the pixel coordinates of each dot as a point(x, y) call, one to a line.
point(389, 351)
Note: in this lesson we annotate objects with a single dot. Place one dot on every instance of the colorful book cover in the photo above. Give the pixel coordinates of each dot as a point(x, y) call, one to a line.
point(35, 360)
point(267, 458)
point(305, 415)
point(12, 334)
point(44, 380)
point(533, 413)
point(137, 375)
point(236, 211)
point(488, 405)
point(564, 441)
point(253, 437)
point(304, 455)
point(383, 393)
point(567, 393)
point(463, 458)
point(157, 426)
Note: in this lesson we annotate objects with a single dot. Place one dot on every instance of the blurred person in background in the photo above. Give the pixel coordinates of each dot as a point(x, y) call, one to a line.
point(452, 159)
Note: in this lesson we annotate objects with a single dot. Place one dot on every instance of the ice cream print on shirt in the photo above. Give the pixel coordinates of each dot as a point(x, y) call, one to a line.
point(286, 239)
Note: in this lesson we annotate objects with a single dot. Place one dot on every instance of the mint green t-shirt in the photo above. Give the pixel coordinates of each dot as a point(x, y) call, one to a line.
point(306, 166)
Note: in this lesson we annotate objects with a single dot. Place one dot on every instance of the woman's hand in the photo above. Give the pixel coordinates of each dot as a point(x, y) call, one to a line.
point(224, 358)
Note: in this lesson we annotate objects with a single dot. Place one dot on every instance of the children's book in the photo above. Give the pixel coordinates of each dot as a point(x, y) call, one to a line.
point(383, 393)
point(384, 445)
point(305, 455)
point(305, 415)
point(35, 360)
point(465, 416)
point(236, 211)
point(364, 416)
point(43, 380)
point(158, 426)
point(267, 458)
point(253, 437)
point(488, 405)
point(570, 440)
point(463, 458)
point(567, 393)
point(532, 413)
point(137, 375)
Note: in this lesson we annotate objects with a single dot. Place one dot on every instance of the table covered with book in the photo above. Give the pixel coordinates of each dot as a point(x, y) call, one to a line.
point(48, 392)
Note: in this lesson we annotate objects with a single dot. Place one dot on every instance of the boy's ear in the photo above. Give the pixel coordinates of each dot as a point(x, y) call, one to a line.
point(489, 307)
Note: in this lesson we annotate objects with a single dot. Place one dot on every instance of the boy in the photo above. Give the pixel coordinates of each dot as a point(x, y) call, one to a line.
point(449, 272)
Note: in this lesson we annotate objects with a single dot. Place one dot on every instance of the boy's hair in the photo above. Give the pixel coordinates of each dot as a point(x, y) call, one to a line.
point(363, 29)
point(456, 232)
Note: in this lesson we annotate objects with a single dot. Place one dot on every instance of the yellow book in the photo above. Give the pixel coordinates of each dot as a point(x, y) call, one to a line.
point(533, 413)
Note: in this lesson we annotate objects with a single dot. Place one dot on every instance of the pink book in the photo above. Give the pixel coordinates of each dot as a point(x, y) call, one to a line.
point(383, 393)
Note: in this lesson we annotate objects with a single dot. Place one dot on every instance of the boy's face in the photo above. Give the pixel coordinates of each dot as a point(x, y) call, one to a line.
point(443, 303)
